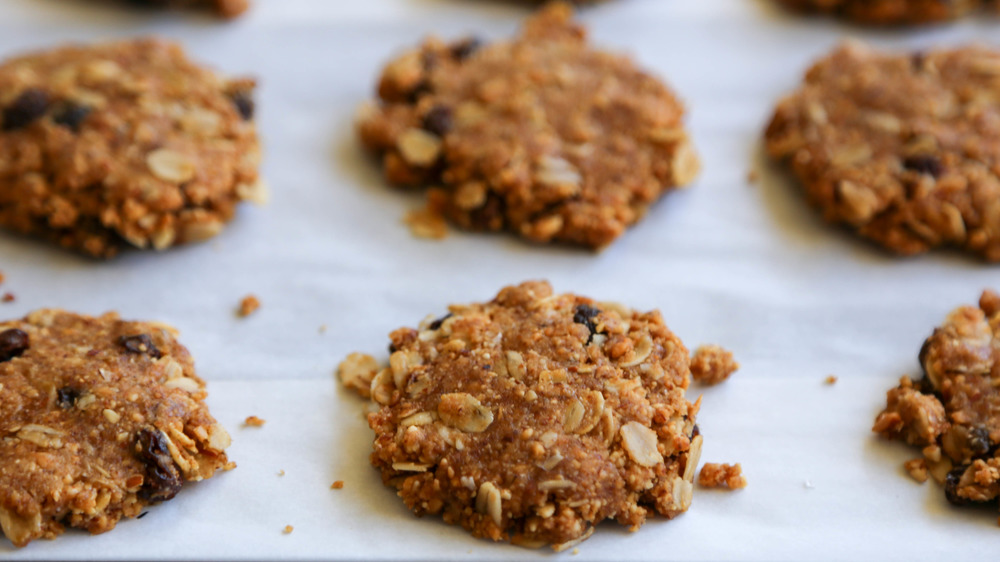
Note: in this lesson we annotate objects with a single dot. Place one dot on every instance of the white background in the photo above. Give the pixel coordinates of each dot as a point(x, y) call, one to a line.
point(747, 266)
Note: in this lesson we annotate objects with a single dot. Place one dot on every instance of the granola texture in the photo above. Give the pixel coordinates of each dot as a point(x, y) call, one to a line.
point(893, 12)
point(716, 475)
point(712, 364)
point(123, 144)
point(953, 413)
point(534, 417)
point(902, 148)
point(541, 135)
point(99, 418)
point(224, 8)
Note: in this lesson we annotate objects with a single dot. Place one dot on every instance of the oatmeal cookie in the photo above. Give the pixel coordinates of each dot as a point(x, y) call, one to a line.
point(891, 12)
point(534, 417)
point(540, 135)
point(902, 148)
point(224, 8)
point(99, 418)
point(123, 144)
point(953, 413)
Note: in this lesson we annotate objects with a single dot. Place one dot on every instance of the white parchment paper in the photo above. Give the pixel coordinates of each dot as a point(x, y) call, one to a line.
point(747, 266)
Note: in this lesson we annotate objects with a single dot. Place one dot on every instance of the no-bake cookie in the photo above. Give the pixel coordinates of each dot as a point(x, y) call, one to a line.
point(953, 412)
point(534, 417)
point(123, 144)
point(99, 418)
point(902, 148)
point(892, 12)
point(540, 135)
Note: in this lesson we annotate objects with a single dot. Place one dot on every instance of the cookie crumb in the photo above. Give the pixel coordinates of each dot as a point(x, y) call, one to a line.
point(322, 329)
point(716, 475)
point(287, 530)
point(426, 223)
point(830, 379)
point(917, 469)
point(338, 485)
point(8, 297)
point(229, 466)
point(281, 473)
point(254, 421)
point(248, 306)
point(2, 277)
point(576, 551)
point(711, 365)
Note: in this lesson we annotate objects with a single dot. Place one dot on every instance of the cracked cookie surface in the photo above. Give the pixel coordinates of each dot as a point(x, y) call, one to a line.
point(953, 413)
point(902, 148)
point(541, 135)
point(534, 417)
point(99, 418)
point(123, 144)
point(893, 12)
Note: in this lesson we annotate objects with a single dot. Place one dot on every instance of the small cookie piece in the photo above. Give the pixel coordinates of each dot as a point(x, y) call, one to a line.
point(99, 418)
point(534, 417)
point(224, 8)
point(715, 475)
point(904, 149)
point(891, 12)
point(711, 365)
point(123, 144)
point(541, 135)
point(953, 413)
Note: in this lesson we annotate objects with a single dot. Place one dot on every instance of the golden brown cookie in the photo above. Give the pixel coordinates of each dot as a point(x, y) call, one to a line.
point(541, 135)
point(123, 144)
point(534, 417)
point(891, 12)
point(902, 148)
point(99, 418)
point(224, 8)
point(953, 413)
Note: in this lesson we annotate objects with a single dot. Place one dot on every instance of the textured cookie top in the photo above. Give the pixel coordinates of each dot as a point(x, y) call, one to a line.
point(893, 12)
point(535, 416)
point(954, 412)
point(120, 143)
point(98, 418)
point(903, 148)
point(540, 135)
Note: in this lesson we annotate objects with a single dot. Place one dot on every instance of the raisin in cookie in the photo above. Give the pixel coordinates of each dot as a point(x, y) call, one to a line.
point(98, 418)
point(534, 417)
point(902, 148)
point(540, 135)
point(123, 144)
point(953, 413)
point(892, 12)
point(224, 8)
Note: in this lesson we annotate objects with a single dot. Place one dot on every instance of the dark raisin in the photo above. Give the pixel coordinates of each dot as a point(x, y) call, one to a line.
point(979, 441)
point(951, 486)
point(924, 165)
point(585, 315)
point(392, 348)
point(917, 60)
point(163, 480)
point(437, 323)
point(418, 91)
point(71, 116)
point(30, 105)
point(13, 343)
point(141, 344)
point(243, 100)
point(466, 47)
point(143, 514)
point(695, 432)
point(67, 396)
point(438, 120)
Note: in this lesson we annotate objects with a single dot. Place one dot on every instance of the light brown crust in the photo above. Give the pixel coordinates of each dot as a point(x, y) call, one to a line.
point(99, 418)
point(535, 416)
point(902, 148)
point(891, 12)
point(541, 135)
point(954, 412)
point(121, 144)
